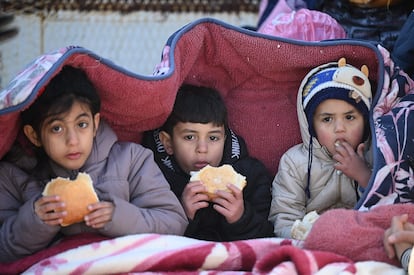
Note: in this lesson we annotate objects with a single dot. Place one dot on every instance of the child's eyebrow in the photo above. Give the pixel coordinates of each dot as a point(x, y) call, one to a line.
point(350, 112)
point(83, 115)
point(54, 118)
point(188, 131)
point(325, 114)
point(218, 131)
point(330, 114)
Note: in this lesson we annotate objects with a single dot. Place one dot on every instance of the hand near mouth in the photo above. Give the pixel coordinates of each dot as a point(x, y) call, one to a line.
point(352, 163)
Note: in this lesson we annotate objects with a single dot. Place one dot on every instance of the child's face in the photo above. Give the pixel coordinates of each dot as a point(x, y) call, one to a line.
point(67, 138)
point(338, 121)
point(194, 145)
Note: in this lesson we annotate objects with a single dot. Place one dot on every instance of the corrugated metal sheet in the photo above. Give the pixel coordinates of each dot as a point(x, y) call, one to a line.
point(133, 40)
point(133, 5)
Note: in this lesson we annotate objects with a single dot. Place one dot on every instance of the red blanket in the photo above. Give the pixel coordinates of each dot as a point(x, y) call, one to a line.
point(258, 77)
point(354, 234)
point(19, 266)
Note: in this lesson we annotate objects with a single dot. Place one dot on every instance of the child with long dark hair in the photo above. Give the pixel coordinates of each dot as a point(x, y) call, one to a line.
point(68, 135)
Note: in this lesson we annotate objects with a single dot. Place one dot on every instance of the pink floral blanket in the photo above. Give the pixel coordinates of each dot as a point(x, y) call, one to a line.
point(167, 254)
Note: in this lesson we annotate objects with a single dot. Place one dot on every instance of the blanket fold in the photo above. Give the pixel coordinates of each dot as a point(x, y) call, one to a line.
point(355, 234)
point(258, 76)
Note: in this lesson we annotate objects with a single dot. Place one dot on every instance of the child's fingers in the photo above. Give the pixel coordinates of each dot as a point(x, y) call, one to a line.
point(98, 221)
point(360, 150)
point(195, 187)
point(397, 223)
point(409, 226)
point(54, 218)
point(51, 217)
point(237, 192)
point(45, 200)
point(404, 218)
point(49, 208)
point(344, 148)
point(100, 205)
point(100, 209)
point(388, 246)
point(402, 237)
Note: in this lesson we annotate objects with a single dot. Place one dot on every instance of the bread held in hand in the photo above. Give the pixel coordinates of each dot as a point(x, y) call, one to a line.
point(217, 178)
point(77, 195)
point(301, 228)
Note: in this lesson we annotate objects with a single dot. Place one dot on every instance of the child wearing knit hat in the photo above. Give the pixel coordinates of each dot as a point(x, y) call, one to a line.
point(326, 169)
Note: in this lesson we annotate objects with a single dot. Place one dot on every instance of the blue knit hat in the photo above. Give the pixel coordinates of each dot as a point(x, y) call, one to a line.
point(336, 80)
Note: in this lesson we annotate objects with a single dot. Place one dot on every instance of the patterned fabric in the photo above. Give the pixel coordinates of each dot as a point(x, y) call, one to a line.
point(292, 19)
point(166, 254)
point(392, 180)
point(19, 90)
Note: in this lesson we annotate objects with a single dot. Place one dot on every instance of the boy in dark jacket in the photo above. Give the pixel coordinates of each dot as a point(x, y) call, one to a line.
point(196, 134)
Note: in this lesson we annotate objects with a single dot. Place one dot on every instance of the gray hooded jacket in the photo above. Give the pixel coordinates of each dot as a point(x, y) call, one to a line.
point(123, 173)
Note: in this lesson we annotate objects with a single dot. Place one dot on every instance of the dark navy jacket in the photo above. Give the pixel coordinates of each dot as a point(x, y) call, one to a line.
point(208, 224)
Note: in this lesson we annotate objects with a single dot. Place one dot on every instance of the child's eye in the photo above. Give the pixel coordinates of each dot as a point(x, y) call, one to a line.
point(350, 117)
point(56, 129)
point(83, 124)
point(213, 138)
point(189, 137)
point(326, 119)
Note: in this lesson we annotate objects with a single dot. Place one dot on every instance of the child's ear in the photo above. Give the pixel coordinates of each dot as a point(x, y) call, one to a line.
point(96, 120)
point(165, 139)
point(31, 135)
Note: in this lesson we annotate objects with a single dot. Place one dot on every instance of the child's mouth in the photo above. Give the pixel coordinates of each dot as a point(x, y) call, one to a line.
point(338, 142)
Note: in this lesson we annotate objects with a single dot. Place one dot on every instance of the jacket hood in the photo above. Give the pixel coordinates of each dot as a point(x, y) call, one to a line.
point(317, 150)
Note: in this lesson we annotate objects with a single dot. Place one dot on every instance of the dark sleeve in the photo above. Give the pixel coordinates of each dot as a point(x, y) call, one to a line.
point(403, 51)
point(206, 225)
point(193, 230)
point(257, 198)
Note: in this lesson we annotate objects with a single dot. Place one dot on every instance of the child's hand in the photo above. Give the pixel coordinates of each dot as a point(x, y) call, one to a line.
point(101, 214)
point(193, 198)
point(399, 236)
point(230, 205)
point(50, 209)
point(352, 163)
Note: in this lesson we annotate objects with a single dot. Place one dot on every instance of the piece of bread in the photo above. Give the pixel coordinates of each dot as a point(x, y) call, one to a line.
point(77, 195)
point(301, 228)
point(217, 178)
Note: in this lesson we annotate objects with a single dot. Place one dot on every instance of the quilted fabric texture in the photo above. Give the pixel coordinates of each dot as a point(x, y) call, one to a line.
point(257, 75)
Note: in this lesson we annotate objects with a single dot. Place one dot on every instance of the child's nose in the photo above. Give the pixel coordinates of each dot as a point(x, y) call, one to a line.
point(202, 147)
point(339, 125)
point(72, 137)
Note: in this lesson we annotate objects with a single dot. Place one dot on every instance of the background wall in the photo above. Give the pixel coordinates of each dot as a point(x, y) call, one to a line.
point(133, 40)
